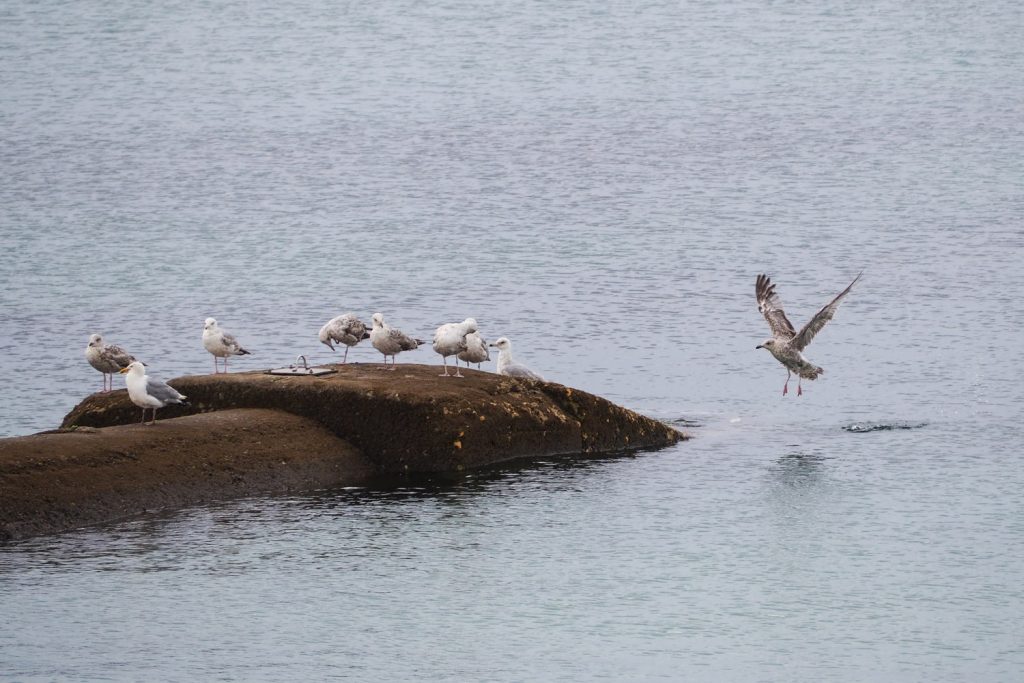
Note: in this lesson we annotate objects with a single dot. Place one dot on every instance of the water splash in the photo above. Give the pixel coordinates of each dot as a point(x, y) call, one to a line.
point(864, 427)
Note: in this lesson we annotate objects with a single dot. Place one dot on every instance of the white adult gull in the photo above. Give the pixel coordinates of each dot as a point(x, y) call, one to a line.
point(147, 392)
point(450, 340)
point(220, 344)
point(786, 343)
point(476, 350)
point(390, 341)
point(346, 329)
point(107, 358)
point(507, 366)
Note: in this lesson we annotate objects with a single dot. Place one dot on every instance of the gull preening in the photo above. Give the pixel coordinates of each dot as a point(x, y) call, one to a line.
point(390, 341)
point(450, 340)
point(147, 392)
point(476, 350)
point(107, 358)
point(346, 329)
point(786, 343)
point(507, 366)
point(220, 344)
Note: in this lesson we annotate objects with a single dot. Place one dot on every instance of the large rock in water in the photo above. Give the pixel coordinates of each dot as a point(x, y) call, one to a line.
point(250, 432)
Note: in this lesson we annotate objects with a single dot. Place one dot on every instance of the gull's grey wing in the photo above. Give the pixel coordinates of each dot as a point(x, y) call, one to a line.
point(115, 354)
point(807, 332)
point(404, 341)
point(229, 341)
point(519, 370)
point(771, 308)
point(161, 391)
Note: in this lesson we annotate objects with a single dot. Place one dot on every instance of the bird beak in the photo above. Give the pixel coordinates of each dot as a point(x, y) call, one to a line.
point(328, 344)
point(759, 346)
point(122, 371)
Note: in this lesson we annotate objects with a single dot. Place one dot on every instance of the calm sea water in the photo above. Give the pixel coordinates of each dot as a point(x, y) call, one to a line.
point(600, 182)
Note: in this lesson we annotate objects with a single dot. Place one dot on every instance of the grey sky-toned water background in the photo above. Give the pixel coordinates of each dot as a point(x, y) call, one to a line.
point(600, 182)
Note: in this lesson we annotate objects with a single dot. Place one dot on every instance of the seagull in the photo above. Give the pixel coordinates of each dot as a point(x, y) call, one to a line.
point(390, 341)
point(346, 329)
point(220, 344)
point(450, 340)
point(107, 358)
point(507, 366)
point(147, 392)
point(786, 343)
point(476, 350)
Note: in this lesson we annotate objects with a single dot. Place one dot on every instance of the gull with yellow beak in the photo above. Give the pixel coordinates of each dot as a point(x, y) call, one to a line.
point(147, 392)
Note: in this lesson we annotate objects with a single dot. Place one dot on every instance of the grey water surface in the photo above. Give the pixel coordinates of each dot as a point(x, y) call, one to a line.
point(601, 182)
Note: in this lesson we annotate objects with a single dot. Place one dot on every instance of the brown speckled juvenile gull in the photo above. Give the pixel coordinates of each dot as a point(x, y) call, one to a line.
point(390, 341)
point(107, 358)
point(786, 343)
point(346, 329)
point(476, 350)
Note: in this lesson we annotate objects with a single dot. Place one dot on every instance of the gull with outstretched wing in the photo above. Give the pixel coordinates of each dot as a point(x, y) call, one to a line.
point(786, 344)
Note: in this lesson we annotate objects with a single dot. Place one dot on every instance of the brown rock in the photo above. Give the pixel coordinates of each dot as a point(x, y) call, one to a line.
point(246, 433)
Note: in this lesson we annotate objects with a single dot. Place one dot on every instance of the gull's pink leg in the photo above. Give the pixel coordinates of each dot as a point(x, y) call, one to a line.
point(345, 359)
point(444, 359)
point(458, 372)
point(785, 387)
point(799, 391)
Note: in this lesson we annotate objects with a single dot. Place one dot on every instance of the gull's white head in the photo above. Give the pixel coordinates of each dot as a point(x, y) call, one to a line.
point(378, 320)
point(95, 340)
point(469, 324)
point(135, 368)
point(209, 324)
point(767, 344)
point(502, 344)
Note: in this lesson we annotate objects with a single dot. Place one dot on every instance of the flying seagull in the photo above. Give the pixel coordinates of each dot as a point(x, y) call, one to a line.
point(107, 358)
point(147, 392)
point(346, 329)
point(220, 344)
point(786, 343)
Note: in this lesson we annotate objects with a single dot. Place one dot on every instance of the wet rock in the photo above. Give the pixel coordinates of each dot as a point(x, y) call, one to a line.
point(248, 433)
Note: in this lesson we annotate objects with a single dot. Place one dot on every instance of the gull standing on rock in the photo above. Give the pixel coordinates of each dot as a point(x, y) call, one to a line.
point(107, 358)
point(220, 344)
point(450, 340)
point(507, 366)
point(146, 392)
point(476, 350)
point(346, 329)
point(786, 343)
point(390, 341)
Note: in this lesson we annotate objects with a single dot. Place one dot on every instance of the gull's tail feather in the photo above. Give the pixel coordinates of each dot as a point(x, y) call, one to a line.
point(812, 373)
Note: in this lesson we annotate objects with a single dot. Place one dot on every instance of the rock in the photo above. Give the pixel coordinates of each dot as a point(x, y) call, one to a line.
point(346, 428)
point(61, 480)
